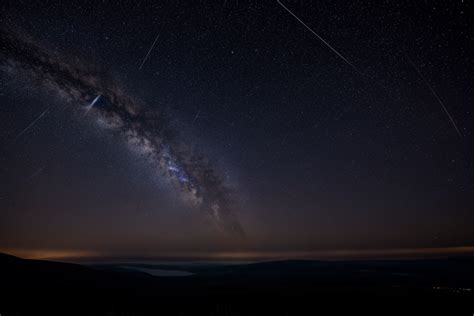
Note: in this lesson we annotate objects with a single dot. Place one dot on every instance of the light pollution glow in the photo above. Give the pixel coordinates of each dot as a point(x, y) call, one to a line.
point(400, 253)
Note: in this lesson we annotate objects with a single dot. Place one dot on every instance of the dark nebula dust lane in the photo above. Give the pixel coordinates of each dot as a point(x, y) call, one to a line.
point(146, 131)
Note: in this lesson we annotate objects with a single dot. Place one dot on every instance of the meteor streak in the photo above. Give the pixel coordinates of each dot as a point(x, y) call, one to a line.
point(31, 124)
point(149, 52)
point(433, 92)
point(92, 104)
point(322, 40)
point(36, 173)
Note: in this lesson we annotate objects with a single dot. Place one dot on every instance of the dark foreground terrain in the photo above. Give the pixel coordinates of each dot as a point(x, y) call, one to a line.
point(443, 286)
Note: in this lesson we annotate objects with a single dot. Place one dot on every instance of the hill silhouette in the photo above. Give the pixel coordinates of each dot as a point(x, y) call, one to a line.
point(278, 286)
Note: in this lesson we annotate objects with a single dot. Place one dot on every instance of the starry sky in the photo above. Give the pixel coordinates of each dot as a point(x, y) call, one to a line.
point(231, 128)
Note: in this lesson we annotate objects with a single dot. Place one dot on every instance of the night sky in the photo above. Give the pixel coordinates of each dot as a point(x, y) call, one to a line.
point(236, 129)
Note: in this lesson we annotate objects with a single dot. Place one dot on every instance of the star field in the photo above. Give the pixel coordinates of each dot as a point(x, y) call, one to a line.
point(311, 154)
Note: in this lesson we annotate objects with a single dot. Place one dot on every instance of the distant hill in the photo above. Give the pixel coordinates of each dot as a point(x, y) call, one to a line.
point(280, 282)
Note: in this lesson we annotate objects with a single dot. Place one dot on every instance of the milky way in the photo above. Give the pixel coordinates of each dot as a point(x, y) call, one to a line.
point(145, 130)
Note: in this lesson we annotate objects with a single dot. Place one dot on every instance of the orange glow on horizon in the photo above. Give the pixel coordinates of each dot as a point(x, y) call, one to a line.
point(71, 254)
point(48, 253)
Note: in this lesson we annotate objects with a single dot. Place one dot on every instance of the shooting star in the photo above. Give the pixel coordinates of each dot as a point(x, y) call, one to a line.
point(36, 173)
point(433, 92)
point(197, 116)
point(92, 104)
point(31, 124)
point(149, 52)
point(322, 40)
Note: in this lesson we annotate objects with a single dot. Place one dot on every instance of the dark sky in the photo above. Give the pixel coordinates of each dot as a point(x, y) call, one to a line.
point(298, 150)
